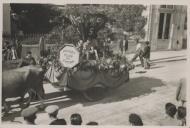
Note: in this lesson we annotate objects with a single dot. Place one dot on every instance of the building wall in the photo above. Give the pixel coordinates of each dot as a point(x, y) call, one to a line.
point(176, 29)
point(6, 19)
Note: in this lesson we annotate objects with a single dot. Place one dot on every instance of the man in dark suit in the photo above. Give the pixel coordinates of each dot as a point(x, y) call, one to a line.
point(124, 45)
point(146, 55)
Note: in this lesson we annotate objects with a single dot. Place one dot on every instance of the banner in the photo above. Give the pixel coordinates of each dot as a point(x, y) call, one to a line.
point(69, 56)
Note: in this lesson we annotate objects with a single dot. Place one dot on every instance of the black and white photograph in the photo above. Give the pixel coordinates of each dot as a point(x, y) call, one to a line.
point(94, 64)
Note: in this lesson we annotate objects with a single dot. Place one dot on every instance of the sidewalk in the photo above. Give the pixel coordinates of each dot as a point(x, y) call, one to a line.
point(160, 56)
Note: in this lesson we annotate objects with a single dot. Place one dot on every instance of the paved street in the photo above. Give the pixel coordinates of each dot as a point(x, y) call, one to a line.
point(145, 94)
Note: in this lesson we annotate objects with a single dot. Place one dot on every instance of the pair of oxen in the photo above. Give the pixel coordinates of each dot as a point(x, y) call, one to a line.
point(21, 81)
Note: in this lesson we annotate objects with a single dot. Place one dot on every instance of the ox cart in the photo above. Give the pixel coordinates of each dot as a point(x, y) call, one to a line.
point(90, 77)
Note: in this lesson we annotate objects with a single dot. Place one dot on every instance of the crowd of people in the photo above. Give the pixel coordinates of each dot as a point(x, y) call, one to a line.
point(11, 51)
point(29, 116)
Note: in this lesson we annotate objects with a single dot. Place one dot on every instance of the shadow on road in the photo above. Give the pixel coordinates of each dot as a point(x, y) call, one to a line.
point(134, 88)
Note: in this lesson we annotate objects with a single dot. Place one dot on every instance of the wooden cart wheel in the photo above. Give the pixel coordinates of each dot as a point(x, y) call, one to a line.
point(95, 93)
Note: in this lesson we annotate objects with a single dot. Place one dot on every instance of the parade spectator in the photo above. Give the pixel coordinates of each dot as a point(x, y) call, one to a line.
point(6, 47)
point(92, 123)
point(29, 115)
point(138, 53)
point(181, 91)
point(59, 122)
point(135, 120)
point(28, 60)
point(170, 119)
point(146, 55)
point(124, 45)
point(181, 115)
point(170, 109)
point(9, 54)
point(5, 50)
point(52, 111)
point(76, 119)
point(138, 44)
point(13, 53)
point(42, 46)
point(19, 49)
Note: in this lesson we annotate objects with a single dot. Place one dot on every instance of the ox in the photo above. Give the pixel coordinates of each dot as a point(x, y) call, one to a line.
point(18, 82)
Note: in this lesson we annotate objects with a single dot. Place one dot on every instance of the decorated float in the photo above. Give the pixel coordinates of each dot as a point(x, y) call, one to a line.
point(69, 70)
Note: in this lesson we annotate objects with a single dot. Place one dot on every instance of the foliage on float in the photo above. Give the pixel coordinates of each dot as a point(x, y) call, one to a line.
point(114, 64)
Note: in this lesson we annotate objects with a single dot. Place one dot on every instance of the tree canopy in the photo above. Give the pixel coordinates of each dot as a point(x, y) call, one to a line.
point(35, 18)
point(91, 19)
point(74, 22)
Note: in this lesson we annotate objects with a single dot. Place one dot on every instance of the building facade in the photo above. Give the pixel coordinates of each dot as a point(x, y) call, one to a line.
point(166, 26)
point(6, 19)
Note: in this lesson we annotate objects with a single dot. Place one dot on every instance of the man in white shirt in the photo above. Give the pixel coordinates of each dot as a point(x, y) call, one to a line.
point(138, 46)
point(138, 53)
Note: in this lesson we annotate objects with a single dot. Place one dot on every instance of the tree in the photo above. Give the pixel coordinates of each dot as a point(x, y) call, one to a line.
point(127, 17)
point(83, 21)
point(89, 20)
point(86, 22)
point(35, 18)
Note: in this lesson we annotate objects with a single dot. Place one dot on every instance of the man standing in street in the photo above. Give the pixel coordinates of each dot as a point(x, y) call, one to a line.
point(138, 53)
point(146, 55)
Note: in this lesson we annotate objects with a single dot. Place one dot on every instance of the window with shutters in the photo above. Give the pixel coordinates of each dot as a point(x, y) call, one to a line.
point(164, 26)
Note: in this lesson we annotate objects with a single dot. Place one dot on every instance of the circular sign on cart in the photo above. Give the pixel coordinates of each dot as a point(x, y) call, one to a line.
point(69, 56)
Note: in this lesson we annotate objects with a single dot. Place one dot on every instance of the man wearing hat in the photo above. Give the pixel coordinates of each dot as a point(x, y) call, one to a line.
point(29, 115)
point(52, 111)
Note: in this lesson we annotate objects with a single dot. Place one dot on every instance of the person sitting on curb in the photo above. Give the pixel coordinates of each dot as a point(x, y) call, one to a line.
point(76, 119)
point(135, 120)
point(181, 115)
point(170, 119)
